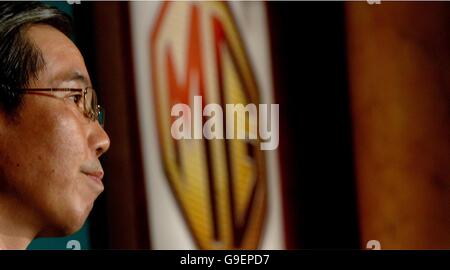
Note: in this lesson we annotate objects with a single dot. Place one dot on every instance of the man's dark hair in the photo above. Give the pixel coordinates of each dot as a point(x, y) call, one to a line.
point(20, 59)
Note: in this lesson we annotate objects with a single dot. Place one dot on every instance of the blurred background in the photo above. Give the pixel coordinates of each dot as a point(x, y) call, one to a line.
point(364, 150)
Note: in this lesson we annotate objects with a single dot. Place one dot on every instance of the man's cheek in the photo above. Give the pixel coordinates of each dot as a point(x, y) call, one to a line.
point(72, 146)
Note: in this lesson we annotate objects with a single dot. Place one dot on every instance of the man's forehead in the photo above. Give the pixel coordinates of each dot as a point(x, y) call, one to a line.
point(63, 61)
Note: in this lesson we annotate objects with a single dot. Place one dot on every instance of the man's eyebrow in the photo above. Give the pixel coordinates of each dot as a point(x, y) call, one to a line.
point(77, 76)
point(70, 76)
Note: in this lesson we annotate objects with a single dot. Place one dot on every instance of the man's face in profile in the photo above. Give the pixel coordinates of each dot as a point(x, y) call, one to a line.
point(50, 153)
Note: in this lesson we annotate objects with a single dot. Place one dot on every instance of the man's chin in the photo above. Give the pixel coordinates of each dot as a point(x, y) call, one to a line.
point(66, 226)
point(60, 231)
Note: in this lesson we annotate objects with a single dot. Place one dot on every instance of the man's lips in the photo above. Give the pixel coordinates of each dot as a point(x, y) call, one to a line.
point(93, 170)
point(95, 175)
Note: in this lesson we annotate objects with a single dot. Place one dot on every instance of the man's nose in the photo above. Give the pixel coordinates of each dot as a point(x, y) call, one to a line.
point(99, 139)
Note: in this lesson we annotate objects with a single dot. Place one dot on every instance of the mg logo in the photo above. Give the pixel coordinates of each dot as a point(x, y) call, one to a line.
point(219, 185)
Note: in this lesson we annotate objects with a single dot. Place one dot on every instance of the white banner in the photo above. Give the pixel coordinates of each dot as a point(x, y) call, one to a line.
point(205, 194)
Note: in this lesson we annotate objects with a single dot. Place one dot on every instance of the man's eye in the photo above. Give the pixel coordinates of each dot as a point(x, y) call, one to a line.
point(76, 98)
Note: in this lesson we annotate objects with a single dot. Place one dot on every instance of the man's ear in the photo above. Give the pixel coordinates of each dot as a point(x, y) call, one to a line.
point(7, 118)
point(7, 96)
point(3, 121)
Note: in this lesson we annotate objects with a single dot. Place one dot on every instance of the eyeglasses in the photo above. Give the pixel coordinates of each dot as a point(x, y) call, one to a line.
point(85, 99)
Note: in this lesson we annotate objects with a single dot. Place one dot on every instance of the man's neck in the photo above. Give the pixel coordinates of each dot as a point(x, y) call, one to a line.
point(17, 225)
point(15, 242)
